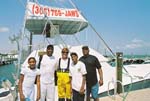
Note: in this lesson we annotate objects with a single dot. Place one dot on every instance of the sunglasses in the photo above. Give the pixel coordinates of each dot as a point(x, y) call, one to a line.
point(65, 52)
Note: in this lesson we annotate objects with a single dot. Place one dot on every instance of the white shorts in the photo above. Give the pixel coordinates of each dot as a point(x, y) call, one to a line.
point(47, 92)
point(29, 92)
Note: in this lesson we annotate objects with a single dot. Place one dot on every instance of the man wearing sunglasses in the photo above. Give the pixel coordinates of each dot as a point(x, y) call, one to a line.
point(63, 80)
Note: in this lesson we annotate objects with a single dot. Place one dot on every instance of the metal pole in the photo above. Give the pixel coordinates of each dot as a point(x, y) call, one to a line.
point(30, 45)
point(119, 64)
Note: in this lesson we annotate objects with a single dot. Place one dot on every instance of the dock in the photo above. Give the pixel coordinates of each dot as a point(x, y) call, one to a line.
point(137, 95)
point(7, 58)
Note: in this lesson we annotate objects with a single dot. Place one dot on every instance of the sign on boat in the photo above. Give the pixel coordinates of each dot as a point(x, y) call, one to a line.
point(67, 21)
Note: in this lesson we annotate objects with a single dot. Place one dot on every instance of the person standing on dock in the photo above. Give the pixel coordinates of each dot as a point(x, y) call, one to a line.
point(48, 66)
point(92, 84)
point(28, 76)
point(77, 74)
point(63, 81)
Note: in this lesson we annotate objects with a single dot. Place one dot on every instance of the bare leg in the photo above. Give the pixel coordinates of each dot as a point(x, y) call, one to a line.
point(96, 99)
point(88, 98)
point(68, 99)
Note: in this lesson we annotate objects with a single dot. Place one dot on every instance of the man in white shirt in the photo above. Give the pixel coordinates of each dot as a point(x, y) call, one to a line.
point(47, 68)
point(78, 78)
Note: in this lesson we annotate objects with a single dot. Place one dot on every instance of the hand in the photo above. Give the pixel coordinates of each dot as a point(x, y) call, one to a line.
point(82, 90)
point(38, 98)
point(22, 97)
point(100, 82)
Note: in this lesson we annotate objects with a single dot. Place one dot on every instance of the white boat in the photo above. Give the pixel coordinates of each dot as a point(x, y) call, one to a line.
point(146, 62)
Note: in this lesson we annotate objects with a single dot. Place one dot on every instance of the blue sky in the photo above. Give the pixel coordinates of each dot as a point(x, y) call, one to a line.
point(123, 24)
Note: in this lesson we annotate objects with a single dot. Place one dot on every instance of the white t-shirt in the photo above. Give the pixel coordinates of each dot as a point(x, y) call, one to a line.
point(76, 72)
point(29, 76)
point(47, 69)
point(64, 63)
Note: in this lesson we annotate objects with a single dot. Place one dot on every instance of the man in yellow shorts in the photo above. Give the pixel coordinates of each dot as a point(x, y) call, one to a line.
point(63, 80)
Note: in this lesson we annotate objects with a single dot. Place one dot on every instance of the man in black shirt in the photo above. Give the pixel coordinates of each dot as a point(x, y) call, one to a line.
point(92, 83)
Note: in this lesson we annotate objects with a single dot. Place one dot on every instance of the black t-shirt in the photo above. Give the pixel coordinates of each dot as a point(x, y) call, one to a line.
point(91, 63)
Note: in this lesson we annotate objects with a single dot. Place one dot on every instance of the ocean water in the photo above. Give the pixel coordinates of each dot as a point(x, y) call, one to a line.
point(7, 71)
point(145, 57)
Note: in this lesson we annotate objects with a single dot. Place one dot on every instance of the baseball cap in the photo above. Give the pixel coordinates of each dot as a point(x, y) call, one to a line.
point(85, 47)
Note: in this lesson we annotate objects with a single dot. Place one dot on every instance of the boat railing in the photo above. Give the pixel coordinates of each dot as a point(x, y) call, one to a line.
point(114, 82)
point(125, 94)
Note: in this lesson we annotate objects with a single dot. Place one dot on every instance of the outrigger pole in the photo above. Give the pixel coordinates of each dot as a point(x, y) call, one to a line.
point(99, 36)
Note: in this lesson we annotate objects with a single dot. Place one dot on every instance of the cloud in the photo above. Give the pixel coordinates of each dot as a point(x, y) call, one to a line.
point(147, 44)
point(4, 29)
point(137, 43)
point(133, 46)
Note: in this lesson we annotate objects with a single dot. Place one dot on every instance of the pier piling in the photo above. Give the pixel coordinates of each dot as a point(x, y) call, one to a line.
point(119, 64)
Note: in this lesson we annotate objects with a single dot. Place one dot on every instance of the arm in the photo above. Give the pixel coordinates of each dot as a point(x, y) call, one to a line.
point(70, 83)
point(38, 88)
point(100, 76)
point(56, 64)
point(100, 72)
point(83, 84)
point(22, 97)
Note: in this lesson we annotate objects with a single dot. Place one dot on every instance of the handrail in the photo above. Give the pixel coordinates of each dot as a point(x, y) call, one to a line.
point(130, 86)
point(115, 88)
point(111, 96)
